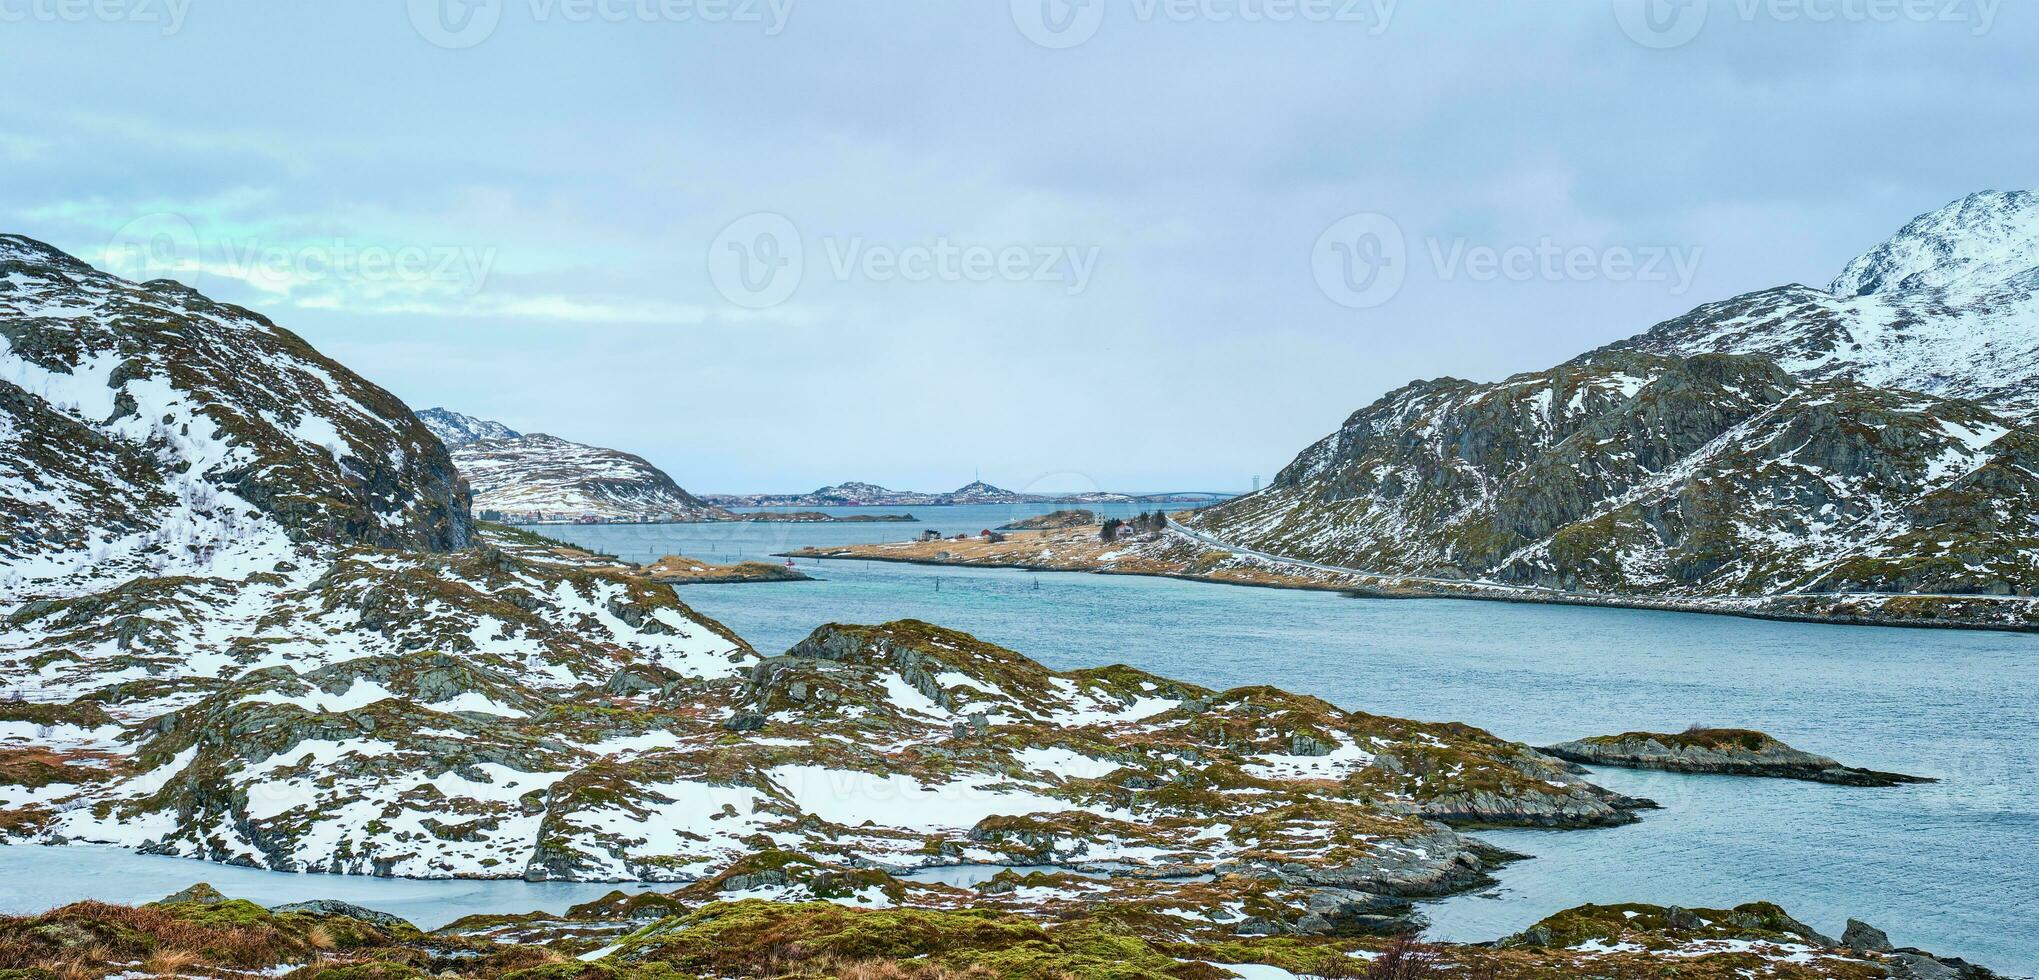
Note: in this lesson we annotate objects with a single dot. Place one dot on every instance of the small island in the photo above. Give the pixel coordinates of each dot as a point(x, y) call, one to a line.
point(681, 570)
point(1721, 751)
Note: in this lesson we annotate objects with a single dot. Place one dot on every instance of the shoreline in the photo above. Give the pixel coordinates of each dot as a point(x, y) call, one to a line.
point(1301, 583)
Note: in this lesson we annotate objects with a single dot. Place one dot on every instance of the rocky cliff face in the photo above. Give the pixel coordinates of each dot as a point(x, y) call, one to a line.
point(1660, 468)
point(542, 477)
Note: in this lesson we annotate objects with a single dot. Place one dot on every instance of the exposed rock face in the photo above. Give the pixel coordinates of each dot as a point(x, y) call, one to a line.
point(542, 477)
point(1702, 462)
point(345, 910)
point(147, 419)
point(1732, 752)
point(1863, 936)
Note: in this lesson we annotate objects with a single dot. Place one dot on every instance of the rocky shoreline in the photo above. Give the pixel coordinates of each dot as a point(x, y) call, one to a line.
point(1730, 752)
point(1080, 549)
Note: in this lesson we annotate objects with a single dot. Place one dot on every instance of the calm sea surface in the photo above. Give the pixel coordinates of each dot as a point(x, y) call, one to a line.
point(1952, 866)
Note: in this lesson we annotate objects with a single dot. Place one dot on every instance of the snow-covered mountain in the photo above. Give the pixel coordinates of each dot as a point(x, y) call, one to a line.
point(537, 477)
point(540, 477)
point(455, 429)
point(1814, 450)
point(244, 611)
point(855, 494)
point(1948, 306)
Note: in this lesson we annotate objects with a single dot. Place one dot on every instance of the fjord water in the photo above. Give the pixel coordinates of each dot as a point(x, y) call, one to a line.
point(1951, 866)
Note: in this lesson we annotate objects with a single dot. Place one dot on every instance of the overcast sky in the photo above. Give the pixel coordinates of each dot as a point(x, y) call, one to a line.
point(1130, 244)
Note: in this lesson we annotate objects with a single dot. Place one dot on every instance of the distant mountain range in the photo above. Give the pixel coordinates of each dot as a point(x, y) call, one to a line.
point(855, 494)
point(1792, 449)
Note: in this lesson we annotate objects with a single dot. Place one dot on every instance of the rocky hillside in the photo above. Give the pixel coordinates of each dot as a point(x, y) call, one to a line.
point(147, 428)
point(1764, 475)
point(540, 477)
point(455, 429)
point(223, 550)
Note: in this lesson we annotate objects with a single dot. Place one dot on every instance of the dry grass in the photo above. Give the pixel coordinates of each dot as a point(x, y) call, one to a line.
point(75, 936)
point(895, 970)
point(170, 962)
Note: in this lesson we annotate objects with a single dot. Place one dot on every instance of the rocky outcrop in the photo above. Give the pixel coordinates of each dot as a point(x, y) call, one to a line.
point(1729, 752)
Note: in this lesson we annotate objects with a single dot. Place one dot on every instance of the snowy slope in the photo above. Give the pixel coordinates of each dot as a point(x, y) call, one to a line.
point(455, 429)
point(147, 426)
point(202, 510)
point(542, 477)
point(1949, 306)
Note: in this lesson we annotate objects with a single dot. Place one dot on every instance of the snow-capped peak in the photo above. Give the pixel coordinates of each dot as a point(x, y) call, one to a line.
point(1992, 235)
point(455, 429)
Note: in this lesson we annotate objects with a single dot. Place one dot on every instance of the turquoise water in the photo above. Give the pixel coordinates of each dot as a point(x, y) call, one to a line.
point(1953, 866)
